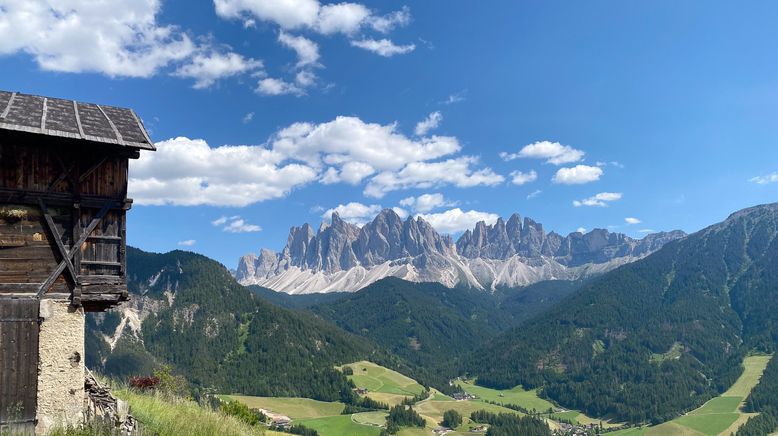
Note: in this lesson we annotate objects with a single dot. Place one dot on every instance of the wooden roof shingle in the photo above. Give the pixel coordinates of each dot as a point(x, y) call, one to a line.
point(71, 119)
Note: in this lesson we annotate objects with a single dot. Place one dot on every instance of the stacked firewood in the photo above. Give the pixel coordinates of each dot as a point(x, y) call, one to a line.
point(103, 406)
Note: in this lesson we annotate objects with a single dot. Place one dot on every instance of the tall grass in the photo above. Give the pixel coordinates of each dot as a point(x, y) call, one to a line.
point(165, 416)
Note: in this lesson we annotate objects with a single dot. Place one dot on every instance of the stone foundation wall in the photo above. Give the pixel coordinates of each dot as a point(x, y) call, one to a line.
point(61, 365)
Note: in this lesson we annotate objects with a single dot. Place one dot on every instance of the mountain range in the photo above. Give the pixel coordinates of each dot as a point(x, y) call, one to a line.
point(640, 344)
point(342, 257)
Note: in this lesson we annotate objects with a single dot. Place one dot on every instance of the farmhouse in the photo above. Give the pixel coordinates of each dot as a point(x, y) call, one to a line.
point(63, 201)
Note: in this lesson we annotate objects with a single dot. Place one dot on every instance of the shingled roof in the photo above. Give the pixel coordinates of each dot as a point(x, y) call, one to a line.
point(71, 119)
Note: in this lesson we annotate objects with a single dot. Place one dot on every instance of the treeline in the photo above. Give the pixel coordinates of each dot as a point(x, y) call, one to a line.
point(402, 416)
point(508, 424)
point(763, 400)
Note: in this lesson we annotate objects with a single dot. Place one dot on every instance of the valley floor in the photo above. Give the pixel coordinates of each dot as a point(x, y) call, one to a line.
point(391, 387)
point(720, 416)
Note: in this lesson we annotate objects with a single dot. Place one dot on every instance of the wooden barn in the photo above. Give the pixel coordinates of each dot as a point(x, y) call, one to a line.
point(63, 205)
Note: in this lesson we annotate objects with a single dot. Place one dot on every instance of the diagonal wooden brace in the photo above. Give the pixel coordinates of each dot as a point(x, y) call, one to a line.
point(76, 246)
point(58, 239)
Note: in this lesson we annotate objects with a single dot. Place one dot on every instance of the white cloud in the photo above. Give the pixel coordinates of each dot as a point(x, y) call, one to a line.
point(520, 178)
point(388, 22)
point(187, 243)
point(423, 175)
point(354, 212)
point(352, 173)
point(289, 14)
point(346, 18)
point(349, 139)
point(235, 224)
point(602, 199)
point(186, 172)
point(401, 212)
point(430, 123)
point(426, 202)
point(272, 86)
point(247, 118)
point(455, 98)
point(632, 220)
point(763, 180)
point(580, 230)
point(553, 152)
point(383, 47)
point(241, 226)
point(208, 67)
point(341, 18)
point(455, 220)
point(646, 231)
point(533, 194)
point(577, 175)
point(307, 50)
point(112, 37)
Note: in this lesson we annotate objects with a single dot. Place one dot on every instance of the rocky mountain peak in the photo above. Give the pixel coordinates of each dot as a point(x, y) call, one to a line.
point(414, 250)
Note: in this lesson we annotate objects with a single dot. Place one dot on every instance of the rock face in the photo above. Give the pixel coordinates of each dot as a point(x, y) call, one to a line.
point(344, 257)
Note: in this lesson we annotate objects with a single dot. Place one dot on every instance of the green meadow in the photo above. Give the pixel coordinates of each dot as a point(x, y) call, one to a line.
point(719, 416)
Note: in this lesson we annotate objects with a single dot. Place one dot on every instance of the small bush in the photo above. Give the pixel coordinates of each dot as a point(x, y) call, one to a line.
point(144, 383)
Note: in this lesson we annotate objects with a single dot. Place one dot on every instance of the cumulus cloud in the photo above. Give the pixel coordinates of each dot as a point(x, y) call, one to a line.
point(354, 212)
point(581, 230)
point(383, 47)
point(273, 86)
point(553, 152)
point(521, 178)
point(388, 22)
point(602, 199)
point(187, 172)
point(632, 220)
point(455, 220)
point(430, 123)
point(112, 37)
point(454, 98)
point(187, 243)
point(247, 118)
point(763, 180)
point(426, 202)
point(349, 139)
point(208, 67)
point(235, 224)
point(533, 194)
point(346, 18)
point(458, 172)
point(577, 175)
point(307, 50)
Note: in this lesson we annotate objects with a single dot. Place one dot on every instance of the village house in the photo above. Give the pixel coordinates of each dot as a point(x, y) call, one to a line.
point(63, 204)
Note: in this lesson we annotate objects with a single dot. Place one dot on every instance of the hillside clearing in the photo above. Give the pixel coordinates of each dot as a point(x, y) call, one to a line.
point(376, 378)
point(295, 408)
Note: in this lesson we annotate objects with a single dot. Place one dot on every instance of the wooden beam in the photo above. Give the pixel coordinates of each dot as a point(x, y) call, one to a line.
point(78, 120)
point(91, 169)
point(8, 106)
point(58, 240)
point(20, 196)
point(76, 247)
point(113, 126)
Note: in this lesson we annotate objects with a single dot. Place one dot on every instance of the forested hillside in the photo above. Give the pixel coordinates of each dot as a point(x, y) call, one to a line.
point(427, 324)
point(219, 334)
point(656, 337)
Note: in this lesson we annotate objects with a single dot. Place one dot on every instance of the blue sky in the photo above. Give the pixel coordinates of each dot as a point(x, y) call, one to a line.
point(667, 110)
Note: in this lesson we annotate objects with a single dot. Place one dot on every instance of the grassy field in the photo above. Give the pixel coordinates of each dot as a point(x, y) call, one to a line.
point(719, 416)
point(168, 417)
point(338, 425)
point(518, 396)
point(376, 378)
point(295, 408)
